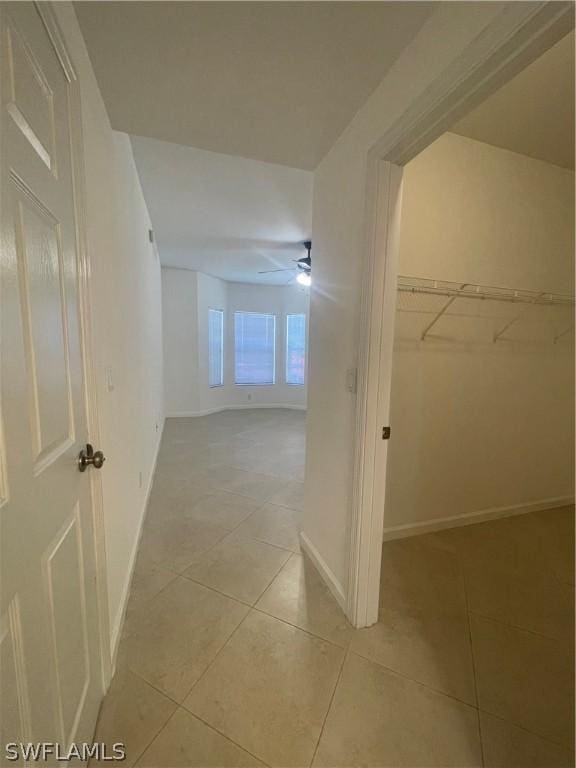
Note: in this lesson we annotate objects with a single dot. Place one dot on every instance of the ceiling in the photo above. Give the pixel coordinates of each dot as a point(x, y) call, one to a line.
point(533, 114)
point(273, 81)
point(227, 216)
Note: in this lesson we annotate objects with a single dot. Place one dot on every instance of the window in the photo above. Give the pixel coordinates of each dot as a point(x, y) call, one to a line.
point(295, 348)
point(254, 347)
point(215, 347)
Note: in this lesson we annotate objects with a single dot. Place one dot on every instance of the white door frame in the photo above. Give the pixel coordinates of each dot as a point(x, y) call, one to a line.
point(90, 391)
point(517, 36)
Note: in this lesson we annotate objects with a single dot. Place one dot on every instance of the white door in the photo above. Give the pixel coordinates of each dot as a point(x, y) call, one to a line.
point(50, 666)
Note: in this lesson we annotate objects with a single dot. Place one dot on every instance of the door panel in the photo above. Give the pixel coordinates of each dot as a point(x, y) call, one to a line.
point(42, 301)
point(50, 677)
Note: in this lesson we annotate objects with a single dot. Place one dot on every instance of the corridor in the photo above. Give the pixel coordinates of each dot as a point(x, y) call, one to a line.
point(234, 653)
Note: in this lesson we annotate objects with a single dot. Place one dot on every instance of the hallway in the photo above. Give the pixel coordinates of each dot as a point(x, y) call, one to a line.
point(234, 653)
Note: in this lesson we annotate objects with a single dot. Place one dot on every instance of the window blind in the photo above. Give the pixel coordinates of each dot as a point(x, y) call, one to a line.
point(254, 348)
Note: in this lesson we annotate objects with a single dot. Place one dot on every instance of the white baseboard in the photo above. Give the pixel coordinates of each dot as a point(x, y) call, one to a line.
point(235, 407)
point(469, 518)
point(331, 581)
point(121, 615)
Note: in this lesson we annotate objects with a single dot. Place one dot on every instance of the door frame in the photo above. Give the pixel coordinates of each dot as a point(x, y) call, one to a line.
point(48, 16)
point(516, 37)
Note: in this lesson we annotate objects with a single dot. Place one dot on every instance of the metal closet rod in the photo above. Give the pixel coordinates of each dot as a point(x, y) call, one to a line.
point(479, 291)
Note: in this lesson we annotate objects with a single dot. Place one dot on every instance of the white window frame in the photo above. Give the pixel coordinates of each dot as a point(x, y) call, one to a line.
point(221, 313)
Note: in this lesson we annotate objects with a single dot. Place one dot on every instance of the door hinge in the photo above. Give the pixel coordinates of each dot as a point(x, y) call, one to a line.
point(385, 433)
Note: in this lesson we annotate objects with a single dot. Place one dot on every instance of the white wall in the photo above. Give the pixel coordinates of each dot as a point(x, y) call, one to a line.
point(340, 184)
point(179, 324)
point(126, 308)
point(481, 426)
point(187, 297)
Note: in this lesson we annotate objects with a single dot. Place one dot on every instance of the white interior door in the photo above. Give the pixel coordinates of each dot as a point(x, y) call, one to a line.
point(50, 666)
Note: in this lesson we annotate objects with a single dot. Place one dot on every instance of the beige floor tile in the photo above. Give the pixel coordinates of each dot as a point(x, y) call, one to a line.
point(506, 746)
point(269, 458)
point(380, 719)
point(177, 542)
point(274, 525)
point(269, 690)
point(239, 568)
point(172, 504)
point(422, 631)
point(225, 503)
point(509, 578)
point(556, 528)
point(291, 495)
point(180, 633)
point(147, 581)
point(525, 679)
point(299, 595)
point(132, 713)
point(186, 742)
point(222, 509)
point(252, 484)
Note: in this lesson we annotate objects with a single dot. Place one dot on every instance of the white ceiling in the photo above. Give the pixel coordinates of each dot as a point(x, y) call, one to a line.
point(273, 81)
point(227, 216)
point(533, 114)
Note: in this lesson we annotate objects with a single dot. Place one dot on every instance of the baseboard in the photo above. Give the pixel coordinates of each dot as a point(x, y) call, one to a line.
point(331, 581)
point(121, 615)
point(235, 407)
point(469, 518)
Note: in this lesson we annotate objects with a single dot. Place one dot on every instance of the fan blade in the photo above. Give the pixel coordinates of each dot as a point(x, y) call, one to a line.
point(268, 271)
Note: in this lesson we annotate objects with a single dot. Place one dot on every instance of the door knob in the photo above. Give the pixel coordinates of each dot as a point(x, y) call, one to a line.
point(90, 456)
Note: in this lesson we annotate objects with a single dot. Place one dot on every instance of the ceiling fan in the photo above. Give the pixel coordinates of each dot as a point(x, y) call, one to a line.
point(303, 266)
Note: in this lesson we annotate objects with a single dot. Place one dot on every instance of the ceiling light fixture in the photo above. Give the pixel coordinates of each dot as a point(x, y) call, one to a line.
point(304, 278)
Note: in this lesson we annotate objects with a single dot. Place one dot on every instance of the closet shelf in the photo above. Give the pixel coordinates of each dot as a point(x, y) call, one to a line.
point(457, 292)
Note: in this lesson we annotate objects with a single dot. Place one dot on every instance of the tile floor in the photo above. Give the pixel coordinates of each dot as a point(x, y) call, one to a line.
point(234, 653)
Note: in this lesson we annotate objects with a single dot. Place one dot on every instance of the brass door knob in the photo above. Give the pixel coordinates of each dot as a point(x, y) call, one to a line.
point(90, 457)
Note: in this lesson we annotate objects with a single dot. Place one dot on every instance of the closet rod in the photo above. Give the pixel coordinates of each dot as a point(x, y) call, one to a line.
point(494, 293)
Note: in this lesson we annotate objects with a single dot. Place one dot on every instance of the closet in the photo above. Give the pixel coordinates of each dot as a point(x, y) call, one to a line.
point(482, 397)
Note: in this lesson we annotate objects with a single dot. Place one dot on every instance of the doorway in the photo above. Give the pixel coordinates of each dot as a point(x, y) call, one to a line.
point(477, 581)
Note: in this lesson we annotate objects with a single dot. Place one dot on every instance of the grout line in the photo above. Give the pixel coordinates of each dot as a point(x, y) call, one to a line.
point(269, 584)
point(404, 676)
point(301, 629)
point(193, 714)
point(207, 724)
point(462, 575)
point(152, 685)
point(211, 664)
point(217, 591)
point(527, 730)
point(515, 627)
point(344, 658)
point(153, 739)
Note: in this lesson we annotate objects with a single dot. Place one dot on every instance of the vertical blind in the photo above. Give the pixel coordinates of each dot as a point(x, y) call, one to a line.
point(254, 348)
point(295, 348)
point(215, 347)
